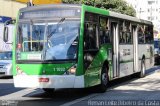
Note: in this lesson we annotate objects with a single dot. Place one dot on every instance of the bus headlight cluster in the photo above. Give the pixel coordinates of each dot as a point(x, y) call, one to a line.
point(19, 71)
point(72, 70)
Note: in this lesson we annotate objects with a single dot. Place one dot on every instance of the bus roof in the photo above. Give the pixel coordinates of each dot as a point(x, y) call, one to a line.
point(102, 11)
point(39, 7)
point(116, 15)
point(127, 17)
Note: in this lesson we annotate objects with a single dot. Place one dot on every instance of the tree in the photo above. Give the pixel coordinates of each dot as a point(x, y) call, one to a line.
point(119, 6)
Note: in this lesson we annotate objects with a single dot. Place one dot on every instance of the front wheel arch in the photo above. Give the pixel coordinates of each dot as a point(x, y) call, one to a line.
point(143, 68)
point(104, 77)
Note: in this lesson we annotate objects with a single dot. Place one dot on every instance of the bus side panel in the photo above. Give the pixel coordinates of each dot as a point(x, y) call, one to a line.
point(126, 60)
point(145, 50)
point(149, 59)
point(93, 72)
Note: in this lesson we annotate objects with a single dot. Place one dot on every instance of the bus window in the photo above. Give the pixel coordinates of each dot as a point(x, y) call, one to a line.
point(125, 36)
point(128, 33)
point(90, 43)
point(121, 33)
point(128, 38)
point(148, 34)
point(150, 28)
point(140, 35)
point(104, 31)
point(90, 39)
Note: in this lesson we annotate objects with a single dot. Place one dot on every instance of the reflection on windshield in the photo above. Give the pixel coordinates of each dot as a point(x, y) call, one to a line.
point(5, 55)
point(63, 41)
point(33, 41)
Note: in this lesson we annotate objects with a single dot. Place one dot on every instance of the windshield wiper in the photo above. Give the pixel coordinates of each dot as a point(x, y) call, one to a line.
point(58, 24)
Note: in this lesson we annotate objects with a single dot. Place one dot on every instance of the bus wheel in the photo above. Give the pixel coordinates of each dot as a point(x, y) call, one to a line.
point(104, 79)
point(48, 90)
point(142, 73)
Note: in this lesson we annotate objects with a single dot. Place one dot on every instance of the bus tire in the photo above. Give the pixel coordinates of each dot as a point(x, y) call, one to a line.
point(104, 79)
point(48, 90)
point(142, 73)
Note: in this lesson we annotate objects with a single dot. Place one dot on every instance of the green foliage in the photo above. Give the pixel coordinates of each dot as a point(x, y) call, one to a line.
point(119, 6)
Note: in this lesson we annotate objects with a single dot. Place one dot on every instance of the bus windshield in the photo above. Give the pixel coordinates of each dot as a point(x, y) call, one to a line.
point(52, 40)
point(6, 55)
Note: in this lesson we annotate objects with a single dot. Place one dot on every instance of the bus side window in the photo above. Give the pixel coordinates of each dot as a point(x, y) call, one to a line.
point(150, 30)
point(86, 37)
point(128, 37)
point(122, 35)
point(128, 34)
point(125, 36)
point(90, 38)
point(121, 38)
point(140, 36)
point(148, 34)
point(106, 36)
point(104, 31)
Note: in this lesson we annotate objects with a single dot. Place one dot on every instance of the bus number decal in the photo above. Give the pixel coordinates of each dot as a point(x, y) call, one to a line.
point(59, 69)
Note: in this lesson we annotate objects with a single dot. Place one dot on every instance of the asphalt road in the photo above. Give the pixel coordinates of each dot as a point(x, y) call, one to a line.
point(127, 88)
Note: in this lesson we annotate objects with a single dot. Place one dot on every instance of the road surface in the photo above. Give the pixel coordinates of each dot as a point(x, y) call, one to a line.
point(138, 91)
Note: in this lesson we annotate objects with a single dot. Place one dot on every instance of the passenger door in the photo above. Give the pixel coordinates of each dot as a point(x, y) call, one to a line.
point(114, 34)
point(135, 44)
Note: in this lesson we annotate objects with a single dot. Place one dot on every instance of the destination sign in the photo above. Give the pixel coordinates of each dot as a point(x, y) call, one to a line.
point(58, 13)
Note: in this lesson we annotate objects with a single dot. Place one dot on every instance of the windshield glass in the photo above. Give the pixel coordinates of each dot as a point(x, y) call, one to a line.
point(52, 40)
point(5, 55)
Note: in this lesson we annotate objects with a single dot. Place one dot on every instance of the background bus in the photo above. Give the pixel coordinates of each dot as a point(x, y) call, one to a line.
point(6, 47)
point(157, 50)
point(78, 46)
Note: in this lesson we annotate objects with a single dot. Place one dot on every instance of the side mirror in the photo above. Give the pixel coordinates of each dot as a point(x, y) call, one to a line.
point(5, 34)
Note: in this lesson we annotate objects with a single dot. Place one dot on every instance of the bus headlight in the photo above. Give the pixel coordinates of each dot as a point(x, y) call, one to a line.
point(19, 71)
point(72, 70)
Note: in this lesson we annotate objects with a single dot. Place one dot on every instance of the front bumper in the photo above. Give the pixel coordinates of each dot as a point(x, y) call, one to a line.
point(55, 81)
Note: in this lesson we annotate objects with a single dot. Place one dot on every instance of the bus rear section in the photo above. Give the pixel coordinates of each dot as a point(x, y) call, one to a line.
point(157, 51)
point(47, 48)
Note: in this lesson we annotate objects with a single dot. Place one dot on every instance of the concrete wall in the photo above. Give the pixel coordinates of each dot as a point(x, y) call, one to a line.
point(10, 8)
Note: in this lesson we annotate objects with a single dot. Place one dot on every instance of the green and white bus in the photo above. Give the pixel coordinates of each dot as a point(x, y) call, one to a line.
point(78, 46)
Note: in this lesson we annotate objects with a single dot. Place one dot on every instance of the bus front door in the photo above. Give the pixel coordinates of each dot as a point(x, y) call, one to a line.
point(114, 33)
point(135, 44)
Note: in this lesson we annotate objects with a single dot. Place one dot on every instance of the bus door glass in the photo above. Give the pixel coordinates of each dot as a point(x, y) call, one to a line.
point(114, 33)
point(135, 44)
point(91, 41)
